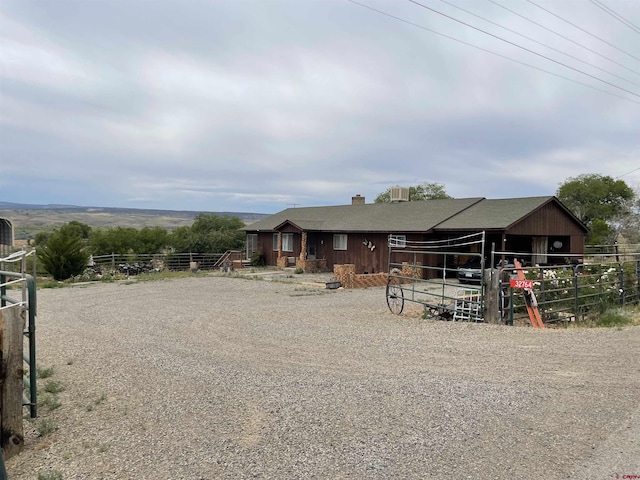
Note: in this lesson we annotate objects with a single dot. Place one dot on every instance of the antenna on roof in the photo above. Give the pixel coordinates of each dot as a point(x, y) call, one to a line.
point(294, 205)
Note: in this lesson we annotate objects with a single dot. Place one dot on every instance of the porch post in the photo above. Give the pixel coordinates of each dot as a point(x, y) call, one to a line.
point(281, 262)
point(303, 251)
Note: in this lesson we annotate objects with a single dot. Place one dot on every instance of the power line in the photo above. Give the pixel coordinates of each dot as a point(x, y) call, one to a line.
point(615, 15)
point(628, 173)
point(523, 48)
point(492, 52)
point(566, 38)
point(583, 30)
point(542, 44)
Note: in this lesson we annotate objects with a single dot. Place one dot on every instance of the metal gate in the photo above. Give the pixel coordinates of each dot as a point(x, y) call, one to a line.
point(432, 274)
point(19, 288)
point(572, 287)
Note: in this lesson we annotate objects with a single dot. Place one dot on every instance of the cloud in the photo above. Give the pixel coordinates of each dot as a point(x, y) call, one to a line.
point(260, 104)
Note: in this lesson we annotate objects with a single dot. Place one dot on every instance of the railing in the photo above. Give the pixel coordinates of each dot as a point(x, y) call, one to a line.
point(27, 301)
point(133, 264)
point(569, 291)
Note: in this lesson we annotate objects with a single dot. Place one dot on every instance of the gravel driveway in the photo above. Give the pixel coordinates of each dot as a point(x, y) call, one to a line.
point(217, 377)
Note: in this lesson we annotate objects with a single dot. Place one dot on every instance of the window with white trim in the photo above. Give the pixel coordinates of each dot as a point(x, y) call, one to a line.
point(398, 241)
point(275, 242)
point(287, 242)
point(339, 241)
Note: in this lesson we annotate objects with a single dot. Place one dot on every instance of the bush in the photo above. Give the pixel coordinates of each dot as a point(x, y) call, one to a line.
point(258, 259)
point(63, 255)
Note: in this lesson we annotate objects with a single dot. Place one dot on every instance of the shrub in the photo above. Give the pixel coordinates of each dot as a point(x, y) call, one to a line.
point(258, 259)
point(63, 255)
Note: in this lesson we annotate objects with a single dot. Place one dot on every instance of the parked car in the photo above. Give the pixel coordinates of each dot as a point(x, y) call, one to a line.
point(470, 271)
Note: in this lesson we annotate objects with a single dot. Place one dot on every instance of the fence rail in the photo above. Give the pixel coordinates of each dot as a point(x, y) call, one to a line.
point(570, 291)
point(133, 264)
point(17, 323)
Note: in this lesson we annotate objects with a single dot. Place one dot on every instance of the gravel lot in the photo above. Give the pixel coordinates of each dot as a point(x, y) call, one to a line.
point(216, 377)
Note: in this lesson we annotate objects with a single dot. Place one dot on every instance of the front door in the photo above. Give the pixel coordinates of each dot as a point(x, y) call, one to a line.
point(311, 247)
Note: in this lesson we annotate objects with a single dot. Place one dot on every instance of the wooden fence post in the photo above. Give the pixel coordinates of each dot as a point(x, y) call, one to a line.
point(492, 295)
point(11, 367)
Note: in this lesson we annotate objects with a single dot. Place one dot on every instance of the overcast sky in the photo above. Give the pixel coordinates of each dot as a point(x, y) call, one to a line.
point(257, 106)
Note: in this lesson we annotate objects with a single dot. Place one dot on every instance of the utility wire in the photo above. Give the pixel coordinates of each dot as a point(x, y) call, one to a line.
point(583, 30)
point(492, 52)
point(542, 44)
point(628, 173)
point(523, 48)
point(566, 38)
point(615, 15)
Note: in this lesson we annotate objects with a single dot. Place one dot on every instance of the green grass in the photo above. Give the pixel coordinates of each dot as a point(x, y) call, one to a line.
point(44, 372)
point(52, 284)
point(50, 401)
point(52, 475)
point(54, 387)
point(619, 317)
point(46, 426)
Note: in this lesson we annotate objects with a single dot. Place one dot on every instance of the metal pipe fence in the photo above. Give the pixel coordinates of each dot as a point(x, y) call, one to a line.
point(133, 264)
point(13, 277)
point(571, 290)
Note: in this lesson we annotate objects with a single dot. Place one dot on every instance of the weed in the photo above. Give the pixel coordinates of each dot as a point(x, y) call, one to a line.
point(614, 318)
point(44, 372)
point(50, 401)
point(51, 284)
point(298, 271)
point(96, 402)
point(53, 387)
point(46, 426)
point(52, 475)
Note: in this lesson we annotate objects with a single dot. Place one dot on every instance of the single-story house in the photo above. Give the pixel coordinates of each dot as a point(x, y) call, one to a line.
point(317, 238)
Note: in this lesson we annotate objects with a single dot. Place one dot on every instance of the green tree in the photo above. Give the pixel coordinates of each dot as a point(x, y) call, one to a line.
point(63, 256)
point(425, 191)
point(600, 233)
point(78, 229)
point(592, 196)
point(209, 233)
point(152, 240)
point(121, 240)
point(601, 202)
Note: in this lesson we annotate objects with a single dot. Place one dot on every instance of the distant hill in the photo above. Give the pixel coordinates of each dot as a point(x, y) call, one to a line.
point(30, 219)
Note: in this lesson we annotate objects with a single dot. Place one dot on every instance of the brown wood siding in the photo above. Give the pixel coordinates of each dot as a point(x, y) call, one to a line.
point(548, 220)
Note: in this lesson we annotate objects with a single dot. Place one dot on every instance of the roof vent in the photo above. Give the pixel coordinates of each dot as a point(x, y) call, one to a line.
point(399, 194)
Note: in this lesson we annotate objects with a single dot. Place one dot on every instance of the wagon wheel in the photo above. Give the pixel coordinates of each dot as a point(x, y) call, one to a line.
point(395, 296)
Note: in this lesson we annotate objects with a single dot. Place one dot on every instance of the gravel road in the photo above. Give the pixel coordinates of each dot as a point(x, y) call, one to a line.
point(217, 377)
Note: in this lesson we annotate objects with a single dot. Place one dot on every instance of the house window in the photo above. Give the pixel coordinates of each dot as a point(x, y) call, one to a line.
point(398, 241)
point(275, 242)
point(339, 241)
point(287, 242)
point(252, 244)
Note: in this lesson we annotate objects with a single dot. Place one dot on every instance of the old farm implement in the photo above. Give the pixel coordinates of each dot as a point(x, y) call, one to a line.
point(429, 273)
